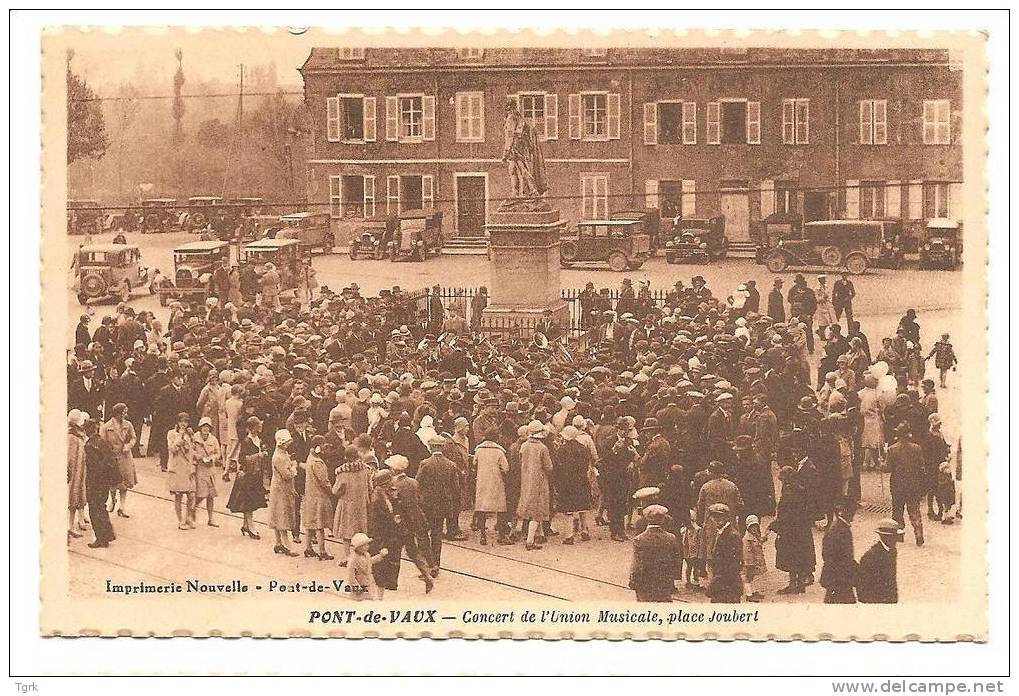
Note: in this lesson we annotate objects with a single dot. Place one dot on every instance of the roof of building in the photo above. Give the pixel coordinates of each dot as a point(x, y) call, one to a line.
point(329, 59)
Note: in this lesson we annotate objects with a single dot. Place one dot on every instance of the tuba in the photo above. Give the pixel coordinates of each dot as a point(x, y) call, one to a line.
point(540, 341)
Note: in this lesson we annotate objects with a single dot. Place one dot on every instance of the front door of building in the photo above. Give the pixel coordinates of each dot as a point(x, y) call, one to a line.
point(736, 210)
point(471, 197)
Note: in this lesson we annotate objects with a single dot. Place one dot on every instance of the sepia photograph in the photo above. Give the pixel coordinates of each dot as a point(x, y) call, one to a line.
point(490, 335)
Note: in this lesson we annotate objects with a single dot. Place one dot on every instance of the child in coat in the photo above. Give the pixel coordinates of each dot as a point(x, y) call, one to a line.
point(360, 579)
point(693, 534)
point(754, 565)
point(945, 492)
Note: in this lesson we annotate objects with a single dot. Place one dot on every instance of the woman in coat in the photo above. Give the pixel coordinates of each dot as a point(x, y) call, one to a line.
point(794, 547)
point(535, 470)
point(75, 471)
point(208, 403)
point(121, 437)
point(180, 464)
point(351, 491)
point(206, 455)
point(872, 415)
point(282, 495)
point(573, 492)
point(490, 489)
point(317, 504)
point(233, 407)
point(384, 526)
point(248, 492)
point(825, 312)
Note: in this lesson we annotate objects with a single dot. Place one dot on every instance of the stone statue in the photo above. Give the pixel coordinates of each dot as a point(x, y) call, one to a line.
point(522, 154)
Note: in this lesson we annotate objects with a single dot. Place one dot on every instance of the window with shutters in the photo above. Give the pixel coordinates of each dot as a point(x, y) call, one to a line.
point(670, 122)
point(411, 117)
point(470, 117)
point(785, 197)
point(541, 109)
point(796, 121)
point(872, 199)
point(352, 118)
point(594, 193)
point(352, 197)
point(734, 121)
point(473, 55)
point(874, 122)
point(937, 122)
point(596, 52)
point(935, 199)
point(595, 116)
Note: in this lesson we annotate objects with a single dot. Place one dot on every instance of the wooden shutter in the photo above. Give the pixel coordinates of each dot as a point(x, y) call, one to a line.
point(334, 196)
point(714, 123)
point(754, 123)
point(613, 121)
point(788, 122)
point(893, 199)
point(767, 198)
point(852, 199)
point(601, 186)
point(651, 123)
point(392, 118)
point(651, 193)
point(915, 199)
point(802, 107)
point(575, 116)
point(689, 123)
point(688, 205)
point(392, 195)
point(586, 197)
point(332, 119)
point(956, 201)
point(462, 116)
point(944, 128)
point(881, 122)
point(369, 196)
point(866, 122)
point(428, 118)
point(427, 191)
point(370, 127)
point(551, 117)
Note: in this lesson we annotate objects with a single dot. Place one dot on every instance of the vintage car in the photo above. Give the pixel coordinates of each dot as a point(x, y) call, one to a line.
point(252, 216)
point(84, 217)
point(941, 246)
point(622, 244)
point(108, 270)
point(652, 219)
point(312, 229)
point(697, 240)
point(774, 228)
point(371, 241)
point(416, 234)
point(159, 215)
point(193, 264)
point(290, 257)
point(853, 244)
point(203, 211)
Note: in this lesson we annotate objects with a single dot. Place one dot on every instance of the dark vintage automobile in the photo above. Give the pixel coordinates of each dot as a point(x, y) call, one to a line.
point(203, 211)
point(941, 246)
point(193, 264)
point(84, 217)
point(855, 245)
point(312, 229)
point(372, 240)
point(652, 219)
point(250, 215)
point(774, 228)
point(697, 240)
point(416, 234)
point(290, 257)
point(108, 270)
point(622, 244)
point(159, 215)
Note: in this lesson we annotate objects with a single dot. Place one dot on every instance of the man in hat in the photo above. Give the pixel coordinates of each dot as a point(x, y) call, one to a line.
point(802, 305)
point(654, 465)
point(270, 283)
point(726, 558)
point(414, 524)
point(478, 304)
point(877, 574)
point(436, 312)
point(439, 482)
point(657, 558)
point(101, 475)
point(716, 489)
point(588, 305)
point(84, 392)
point(169, 402)
point(776, 303)
point(907, 484)
point(838, 574)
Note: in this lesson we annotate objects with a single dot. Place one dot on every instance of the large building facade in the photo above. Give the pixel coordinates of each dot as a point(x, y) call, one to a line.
point(742, 133)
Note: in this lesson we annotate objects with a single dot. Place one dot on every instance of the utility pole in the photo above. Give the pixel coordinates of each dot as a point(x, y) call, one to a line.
point(240, 157)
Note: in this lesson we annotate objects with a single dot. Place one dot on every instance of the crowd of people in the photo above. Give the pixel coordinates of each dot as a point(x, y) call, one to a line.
point(392, 428)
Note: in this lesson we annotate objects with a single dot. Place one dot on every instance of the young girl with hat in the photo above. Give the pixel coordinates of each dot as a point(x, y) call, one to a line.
point(360, 563)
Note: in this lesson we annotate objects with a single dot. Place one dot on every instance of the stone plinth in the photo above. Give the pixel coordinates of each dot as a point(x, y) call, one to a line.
point(524, 247)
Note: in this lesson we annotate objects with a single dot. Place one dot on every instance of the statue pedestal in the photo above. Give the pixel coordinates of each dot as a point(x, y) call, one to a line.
point(524, 281)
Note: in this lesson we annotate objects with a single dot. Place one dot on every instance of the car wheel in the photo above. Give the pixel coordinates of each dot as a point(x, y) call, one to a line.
point(856, 263)
point(82, 298)
point(669, 258)
point(618, 262)
point(568, 251)
point(776, 262)
point(831, 256)
point(634, 265)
